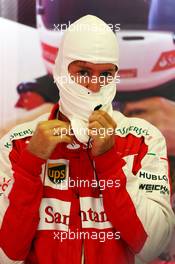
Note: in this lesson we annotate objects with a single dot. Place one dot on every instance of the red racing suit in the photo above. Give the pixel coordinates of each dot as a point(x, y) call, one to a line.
point(54, 212)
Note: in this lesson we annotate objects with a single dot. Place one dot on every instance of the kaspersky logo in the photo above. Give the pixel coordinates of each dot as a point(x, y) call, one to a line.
point(166, 61)
point(56, 172)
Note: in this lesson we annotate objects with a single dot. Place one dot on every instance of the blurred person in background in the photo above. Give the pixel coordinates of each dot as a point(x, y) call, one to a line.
point(147, 89)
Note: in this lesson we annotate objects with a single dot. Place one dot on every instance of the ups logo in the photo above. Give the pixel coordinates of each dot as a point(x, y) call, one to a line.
point(56, 172)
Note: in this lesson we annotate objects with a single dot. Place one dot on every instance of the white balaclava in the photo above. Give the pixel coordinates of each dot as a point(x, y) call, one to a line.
point(88, 39)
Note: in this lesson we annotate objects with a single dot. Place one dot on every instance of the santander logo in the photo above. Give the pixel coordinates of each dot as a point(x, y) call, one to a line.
point(55, 214)
point(166, 61)
point(93, 214)
point(55, 217)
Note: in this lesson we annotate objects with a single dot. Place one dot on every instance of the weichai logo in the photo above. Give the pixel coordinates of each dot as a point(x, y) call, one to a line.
point(56, 172)
point(166, 61)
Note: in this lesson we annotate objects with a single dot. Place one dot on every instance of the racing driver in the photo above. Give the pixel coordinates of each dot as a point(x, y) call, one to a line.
point(84, 184)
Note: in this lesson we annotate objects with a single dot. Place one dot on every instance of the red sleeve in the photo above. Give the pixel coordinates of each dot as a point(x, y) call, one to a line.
point(20, 204)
